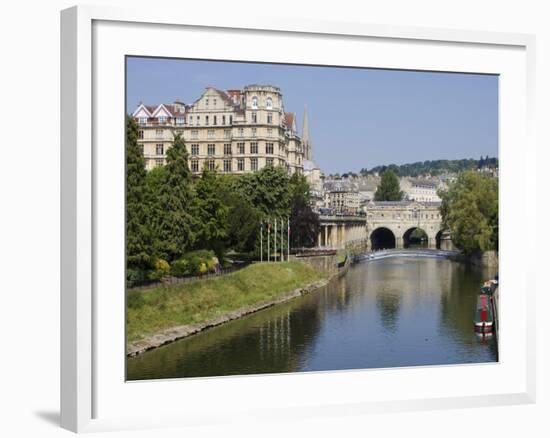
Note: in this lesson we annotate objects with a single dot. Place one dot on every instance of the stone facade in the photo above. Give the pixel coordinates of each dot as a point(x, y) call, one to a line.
point(340, 201)
point(400, 218)
point(234, 131)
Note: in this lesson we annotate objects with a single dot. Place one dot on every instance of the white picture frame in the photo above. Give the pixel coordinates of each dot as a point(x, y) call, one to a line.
point(93, 396)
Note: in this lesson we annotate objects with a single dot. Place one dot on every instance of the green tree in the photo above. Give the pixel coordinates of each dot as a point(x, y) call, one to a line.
point(469, 210)
point(304, 222)
point(211, 213)
point(388, 189)
point(173, 222)
point(268, 190)
point(243, 219)
point(138, 236)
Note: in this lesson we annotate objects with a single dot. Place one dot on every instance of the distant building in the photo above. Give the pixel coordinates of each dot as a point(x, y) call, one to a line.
point(234, 131)
point(341, 201)
point(420, 189)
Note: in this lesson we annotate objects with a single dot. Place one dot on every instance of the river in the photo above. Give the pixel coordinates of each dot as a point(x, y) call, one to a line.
point(393, 312)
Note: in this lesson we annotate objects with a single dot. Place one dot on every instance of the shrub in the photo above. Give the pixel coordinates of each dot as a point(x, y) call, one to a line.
point(161, 269)
point(180, 267)
point(135, 277)
point(200, 261)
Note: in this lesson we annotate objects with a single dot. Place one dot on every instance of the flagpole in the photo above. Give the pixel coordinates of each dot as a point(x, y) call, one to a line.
point(282, 242)
point(275, 242)
point(288, 238)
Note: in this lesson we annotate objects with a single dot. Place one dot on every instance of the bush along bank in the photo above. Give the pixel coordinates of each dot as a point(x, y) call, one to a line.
point(164, 314)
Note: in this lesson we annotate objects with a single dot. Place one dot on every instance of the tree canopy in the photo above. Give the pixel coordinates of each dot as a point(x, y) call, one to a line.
point(469, 210)
point(173, 222)
point(138, 236)
point(433, 167)
point(389, 188)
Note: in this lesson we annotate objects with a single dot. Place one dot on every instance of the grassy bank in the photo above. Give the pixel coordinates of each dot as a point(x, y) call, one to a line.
point(153, 310)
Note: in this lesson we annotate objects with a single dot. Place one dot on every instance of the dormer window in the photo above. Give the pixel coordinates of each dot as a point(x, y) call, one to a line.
point(269, 103)
point(255, 102)
point(142, 120)
point(180, 120)
point(254, 118)
point(162, 119)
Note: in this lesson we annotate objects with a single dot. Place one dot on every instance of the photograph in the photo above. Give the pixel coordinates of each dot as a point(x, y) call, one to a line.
point(288, 218)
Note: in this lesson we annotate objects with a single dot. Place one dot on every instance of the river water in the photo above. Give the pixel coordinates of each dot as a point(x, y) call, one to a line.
point(386, 313)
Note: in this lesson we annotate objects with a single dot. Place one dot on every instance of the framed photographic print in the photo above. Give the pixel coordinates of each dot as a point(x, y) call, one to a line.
point(252, 210)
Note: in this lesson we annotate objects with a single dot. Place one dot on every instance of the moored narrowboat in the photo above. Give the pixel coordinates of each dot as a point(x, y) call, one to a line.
point(483, 316)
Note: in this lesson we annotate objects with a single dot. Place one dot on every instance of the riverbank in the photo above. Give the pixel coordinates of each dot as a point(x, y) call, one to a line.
point(164, 314)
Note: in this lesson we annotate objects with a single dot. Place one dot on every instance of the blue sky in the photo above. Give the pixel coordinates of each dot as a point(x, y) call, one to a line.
point(358, 117)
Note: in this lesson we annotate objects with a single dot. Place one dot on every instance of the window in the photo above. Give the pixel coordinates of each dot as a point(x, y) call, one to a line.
point(227, 149)
point(190, 120)
point(194, 149)
point(269, 118)
point(206, 102)
point(159, 162)
point(227, 165)
point(211, 133)
point(142, 120)
point(240, 164)
point(230, 120)
point(227, 133)
point(140, 135)
point(240, 148)
point(194, 133)
point(254, 118)
point(215, 120)
point(211, 165)
point(269, 103)
point(215, 102)
point(162, 119)
point(269, 148)
point(269, 132)
point(180, 121)
point(269, 162)
point(194, 165)
point(160, 149)
point(223, 120)
point(254, 148)
point(241, 132)
point(206, 122)
point(198, 120)
point(255, 102)
point(211, 149)
point(254, 131)
point(159, 133)
point(253, 164)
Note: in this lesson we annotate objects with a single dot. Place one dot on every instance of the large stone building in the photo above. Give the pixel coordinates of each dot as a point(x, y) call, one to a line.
point(234, 131)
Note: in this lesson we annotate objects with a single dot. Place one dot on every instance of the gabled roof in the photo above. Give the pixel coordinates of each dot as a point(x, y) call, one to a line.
point(162, 107)
point(142, 107)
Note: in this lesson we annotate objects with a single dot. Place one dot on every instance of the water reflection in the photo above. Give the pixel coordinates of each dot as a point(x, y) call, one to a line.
point(393, 312)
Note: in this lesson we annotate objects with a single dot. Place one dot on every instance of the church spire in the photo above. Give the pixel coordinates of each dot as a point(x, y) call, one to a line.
point(306, 140)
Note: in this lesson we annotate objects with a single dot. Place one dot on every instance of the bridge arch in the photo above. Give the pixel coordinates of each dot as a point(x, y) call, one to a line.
point(415, 236)
point(382, 238)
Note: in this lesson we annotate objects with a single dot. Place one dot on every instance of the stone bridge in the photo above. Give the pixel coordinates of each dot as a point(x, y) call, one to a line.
point(400, 224)
point(387, 225)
